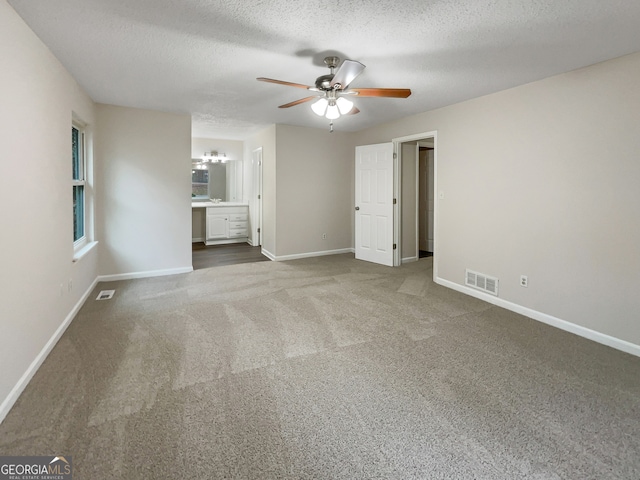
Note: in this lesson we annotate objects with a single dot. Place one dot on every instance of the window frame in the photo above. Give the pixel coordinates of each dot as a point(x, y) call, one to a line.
point(79, 179)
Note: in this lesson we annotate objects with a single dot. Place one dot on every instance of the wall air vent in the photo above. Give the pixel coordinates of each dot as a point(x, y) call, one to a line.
point(482, 282)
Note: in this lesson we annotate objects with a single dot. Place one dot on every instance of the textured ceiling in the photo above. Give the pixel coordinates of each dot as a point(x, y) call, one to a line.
point(202, 56)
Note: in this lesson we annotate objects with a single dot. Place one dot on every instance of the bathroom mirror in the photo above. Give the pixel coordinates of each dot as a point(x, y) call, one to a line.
point(221, 180)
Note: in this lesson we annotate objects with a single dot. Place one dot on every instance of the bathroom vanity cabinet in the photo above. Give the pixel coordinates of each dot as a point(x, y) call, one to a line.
point(227, 224)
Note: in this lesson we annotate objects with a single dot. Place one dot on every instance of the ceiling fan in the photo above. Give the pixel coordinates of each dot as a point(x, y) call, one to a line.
point(333, 90)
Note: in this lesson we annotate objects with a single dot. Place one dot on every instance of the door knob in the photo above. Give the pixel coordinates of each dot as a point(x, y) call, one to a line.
point(357, 208)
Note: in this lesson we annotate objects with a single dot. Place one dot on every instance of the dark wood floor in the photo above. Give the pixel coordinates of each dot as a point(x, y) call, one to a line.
point(216, 255)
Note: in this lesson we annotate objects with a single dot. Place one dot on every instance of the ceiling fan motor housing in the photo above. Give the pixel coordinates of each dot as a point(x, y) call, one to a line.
point(323, 82)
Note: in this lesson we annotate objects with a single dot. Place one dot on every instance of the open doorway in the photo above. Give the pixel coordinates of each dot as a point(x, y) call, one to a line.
point(425, 198)
point(416, 167)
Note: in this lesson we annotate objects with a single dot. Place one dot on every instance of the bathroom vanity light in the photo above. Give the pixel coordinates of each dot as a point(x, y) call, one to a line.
point(214, 156)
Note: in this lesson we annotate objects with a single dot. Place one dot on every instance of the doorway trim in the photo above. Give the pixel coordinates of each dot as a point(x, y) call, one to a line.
point(431, 147)
point(397, 234)
point(256, 161)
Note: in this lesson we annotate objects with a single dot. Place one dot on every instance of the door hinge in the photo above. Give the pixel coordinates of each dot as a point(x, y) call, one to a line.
point(395, 200)
point(259, 197)
point(258, 230)
point(395, 246)
point(395, 155)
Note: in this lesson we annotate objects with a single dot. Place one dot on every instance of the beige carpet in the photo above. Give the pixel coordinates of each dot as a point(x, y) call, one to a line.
point(326, 368)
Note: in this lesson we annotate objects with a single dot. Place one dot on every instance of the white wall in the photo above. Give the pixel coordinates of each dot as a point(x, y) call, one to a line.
point(315, 171)
point(543, 180)
point(144, 180)
point(37, 98)
point(234, 149)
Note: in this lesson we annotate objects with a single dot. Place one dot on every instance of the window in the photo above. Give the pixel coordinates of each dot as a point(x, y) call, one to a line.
point(78, 159)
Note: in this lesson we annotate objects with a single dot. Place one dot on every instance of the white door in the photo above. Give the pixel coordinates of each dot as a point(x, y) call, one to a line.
point(374, 203)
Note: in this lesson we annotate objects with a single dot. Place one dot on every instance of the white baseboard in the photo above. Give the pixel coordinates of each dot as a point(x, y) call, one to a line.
point(198, 240)
point(19, 387)
point(268, 254)
point(297, 256)
point(598, 337)
point(409, 259)
point(148, 274)
point(226, 241)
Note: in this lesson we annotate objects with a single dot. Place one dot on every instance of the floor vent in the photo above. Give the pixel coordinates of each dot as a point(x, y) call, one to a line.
point(481, 282)
point(106, 295)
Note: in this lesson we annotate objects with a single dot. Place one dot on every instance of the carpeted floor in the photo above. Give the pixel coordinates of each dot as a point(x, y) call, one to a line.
point(324, 368)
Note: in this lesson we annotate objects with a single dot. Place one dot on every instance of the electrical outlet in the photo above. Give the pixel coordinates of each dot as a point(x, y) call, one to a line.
point(324, 236)
point(524, 281)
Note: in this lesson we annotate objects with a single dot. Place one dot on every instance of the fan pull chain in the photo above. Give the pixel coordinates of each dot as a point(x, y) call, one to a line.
point(331, 127)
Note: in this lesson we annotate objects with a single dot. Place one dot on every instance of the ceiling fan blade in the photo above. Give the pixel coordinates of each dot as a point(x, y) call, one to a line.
point(382, 92)
point(353, 111)
point(347, 72)
point(297, 102)
point(281, 82)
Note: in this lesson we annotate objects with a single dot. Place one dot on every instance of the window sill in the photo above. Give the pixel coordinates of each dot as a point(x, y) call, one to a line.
point(81, 252)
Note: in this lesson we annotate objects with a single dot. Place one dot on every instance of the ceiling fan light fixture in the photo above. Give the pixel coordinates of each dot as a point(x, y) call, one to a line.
point(319, 107)
point(344, 105)
point(331, 104)
point(332, 111)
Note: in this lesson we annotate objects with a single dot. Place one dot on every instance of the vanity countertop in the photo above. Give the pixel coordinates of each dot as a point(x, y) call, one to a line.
point(209, 203)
